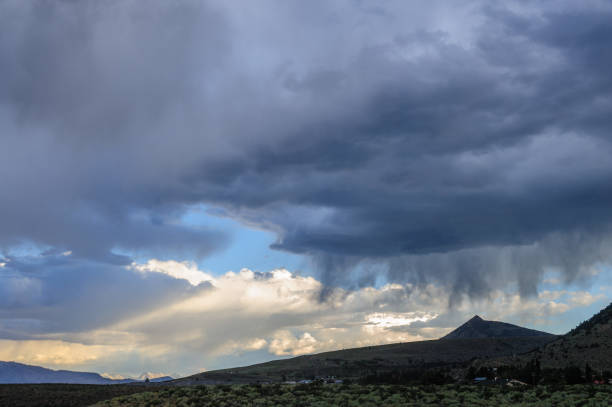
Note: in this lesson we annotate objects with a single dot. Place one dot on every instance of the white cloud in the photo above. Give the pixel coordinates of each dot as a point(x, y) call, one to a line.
point(142, 376)
point(178, 269)
point(283, 311)
point(4, 262)
point(151, 375)
point(113, 376)
point(584, 298)
point(50, 352)
point(387, 320)
point(239, 347)
point(548, 295)
point(285, 343)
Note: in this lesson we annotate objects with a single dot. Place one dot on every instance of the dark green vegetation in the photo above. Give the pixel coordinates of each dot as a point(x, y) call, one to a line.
point(65, 395)
point(589, 343)
point(360, 362)
point(368, 396)
point(533, 373)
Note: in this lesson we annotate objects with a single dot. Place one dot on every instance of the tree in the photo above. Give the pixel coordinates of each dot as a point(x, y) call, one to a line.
point(588, 373)
point(573, 375)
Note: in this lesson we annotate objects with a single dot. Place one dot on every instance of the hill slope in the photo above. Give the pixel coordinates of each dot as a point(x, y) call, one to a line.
point(590, 342)
point(479, 328)
point(359, 362)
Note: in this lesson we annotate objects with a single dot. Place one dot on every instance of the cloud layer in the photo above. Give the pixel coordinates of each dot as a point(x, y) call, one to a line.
point(354, 131)
point(201, 321)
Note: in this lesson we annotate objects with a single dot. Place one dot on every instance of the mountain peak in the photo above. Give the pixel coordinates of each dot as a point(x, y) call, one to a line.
point(477, 327)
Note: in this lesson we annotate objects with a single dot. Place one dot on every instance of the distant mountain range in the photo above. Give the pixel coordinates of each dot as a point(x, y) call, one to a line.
point(12, 372)
point(479, 328)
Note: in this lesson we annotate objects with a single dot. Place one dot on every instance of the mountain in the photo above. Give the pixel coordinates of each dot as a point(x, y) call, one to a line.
point(13, 372)
point(476, 339)
point(589, 343)
point(479, 328)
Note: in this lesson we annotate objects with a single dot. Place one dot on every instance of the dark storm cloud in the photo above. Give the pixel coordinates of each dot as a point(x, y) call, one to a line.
point(89, 155)
point(432, 139)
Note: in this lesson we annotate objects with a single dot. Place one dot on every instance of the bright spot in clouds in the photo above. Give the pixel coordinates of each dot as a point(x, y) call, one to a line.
point(178, 269)
point(387, 320)
point(285, 344)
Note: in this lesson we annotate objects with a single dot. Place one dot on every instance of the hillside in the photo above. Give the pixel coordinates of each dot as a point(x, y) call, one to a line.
point(13, 372)
point(590, 342)
point(359, 362)
point(479, 328)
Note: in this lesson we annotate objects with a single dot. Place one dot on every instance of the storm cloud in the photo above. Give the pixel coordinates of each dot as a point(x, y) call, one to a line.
point(467, 145)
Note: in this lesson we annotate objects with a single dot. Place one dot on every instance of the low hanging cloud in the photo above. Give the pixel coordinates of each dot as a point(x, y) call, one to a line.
point(445, 145)
point(287, 316)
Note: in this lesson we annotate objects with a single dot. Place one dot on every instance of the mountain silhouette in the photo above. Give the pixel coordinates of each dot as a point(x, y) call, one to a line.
point(589, 343)
point(480, 328)
point(13, 372)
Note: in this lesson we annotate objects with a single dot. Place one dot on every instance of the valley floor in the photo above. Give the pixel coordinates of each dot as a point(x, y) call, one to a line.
point(370, 395)
point(65, 395)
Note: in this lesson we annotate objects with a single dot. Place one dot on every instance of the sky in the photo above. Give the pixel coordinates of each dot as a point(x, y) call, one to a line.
point(193, 185)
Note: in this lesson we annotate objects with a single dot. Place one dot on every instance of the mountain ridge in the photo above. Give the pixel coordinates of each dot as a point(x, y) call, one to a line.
point(15, 372)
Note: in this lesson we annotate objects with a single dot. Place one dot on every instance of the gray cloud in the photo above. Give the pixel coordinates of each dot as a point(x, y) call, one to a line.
point(54, 294)
point(438, 142)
